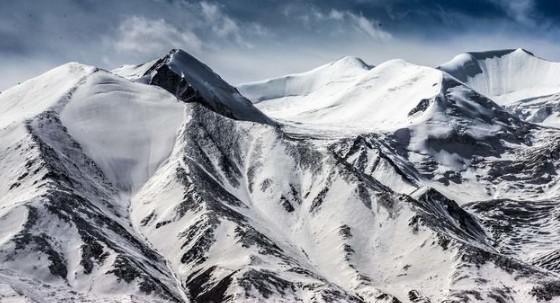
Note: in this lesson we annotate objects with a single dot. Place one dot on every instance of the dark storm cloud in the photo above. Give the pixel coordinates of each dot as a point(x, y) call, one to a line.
point(249, 39)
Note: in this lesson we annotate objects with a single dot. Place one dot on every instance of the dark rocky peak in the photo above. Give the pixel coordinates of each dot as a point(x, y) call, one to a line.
point(193, 81)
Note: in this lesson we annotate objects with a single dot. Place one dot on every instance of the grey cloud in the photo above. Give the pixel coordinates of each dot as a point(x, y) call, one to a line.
point(147, 37)
point(245, 40)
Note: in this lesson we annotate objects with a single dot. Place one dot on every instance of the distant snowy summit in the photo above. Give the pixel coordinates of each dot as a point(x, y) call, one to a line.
point(507, 75)
point(393, 95)
point(333, 75)
point(517, 79)
point(513, 78)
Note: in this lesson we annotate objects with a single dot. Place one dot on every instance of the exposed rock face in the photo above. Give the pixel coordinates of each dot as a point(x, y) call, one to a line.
point(192, 81)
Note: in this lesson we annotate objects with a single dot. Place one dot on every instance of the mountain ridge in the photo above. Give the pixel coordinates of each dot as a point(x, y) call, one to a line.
point(522, 82)
point(192, 81)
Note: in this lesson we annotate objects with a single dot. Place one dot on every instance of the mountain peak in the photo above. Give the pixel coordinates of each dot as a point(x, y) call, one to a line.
point(350, 62)
point(394, 95)
point(190, 80)
point(525, 51)
point(184, 63)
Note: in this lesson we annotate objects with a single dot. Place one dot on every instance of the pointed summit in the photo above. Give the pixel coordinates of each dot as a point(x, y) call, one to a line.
point(193, 81)
point(351, 62)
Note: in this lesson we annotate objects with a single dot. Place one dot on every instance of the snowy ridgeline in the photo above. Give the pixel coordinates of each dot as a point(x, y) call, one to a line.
point(160, 182)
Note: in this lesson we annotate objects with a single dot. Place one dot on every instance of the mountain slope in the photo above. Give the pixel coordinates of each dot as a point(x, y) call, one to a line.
point(450, 135)
point(258, 216)
point(128, 129)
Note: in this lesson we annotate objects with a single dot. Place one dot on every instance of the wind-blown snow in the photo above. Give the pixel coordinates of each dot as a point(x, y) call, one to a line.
point(127, 128)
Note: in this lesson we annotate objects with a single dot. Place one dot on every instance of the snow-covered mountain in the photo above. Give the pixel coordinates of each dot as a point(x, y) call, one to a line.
point(516, 79)
point(350, 183)
point(391, 96)
point(334, 76)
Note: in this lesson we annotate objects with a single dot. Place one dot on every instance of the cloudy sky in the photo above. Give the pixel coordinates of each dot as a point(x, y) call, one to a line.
point(246, 40)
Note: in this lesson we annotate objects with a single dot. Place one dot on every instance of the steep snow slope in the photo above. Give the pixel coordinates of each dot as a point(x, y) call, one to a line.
point(127, 128)
point(193, 81)
point(517, 79)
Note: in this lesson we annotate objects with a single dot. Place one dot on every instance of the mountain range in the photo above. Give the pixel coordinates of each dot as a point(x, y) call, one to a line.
point(161, 182)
